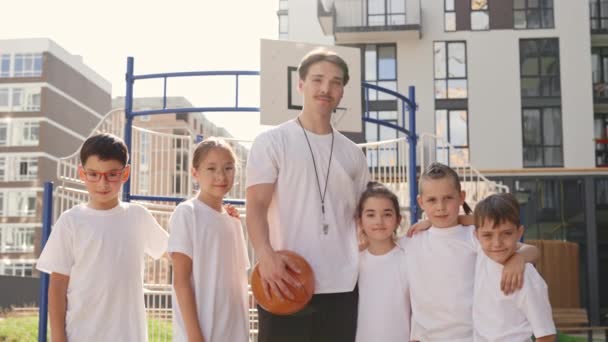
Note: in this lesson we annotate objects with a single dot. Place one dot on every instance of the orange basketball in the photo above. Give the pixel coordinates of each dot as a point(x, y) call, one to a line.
point(302, 295)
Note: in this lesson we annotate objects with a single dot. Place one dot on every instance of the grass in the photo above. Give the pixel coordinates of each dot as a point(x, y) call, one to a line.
point(25, 329)
point(18, 329)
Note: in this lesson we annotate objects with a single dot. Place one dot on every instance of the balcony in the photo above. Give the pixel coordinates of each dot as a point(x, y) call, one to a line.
point(370, 21)
point(600, 92)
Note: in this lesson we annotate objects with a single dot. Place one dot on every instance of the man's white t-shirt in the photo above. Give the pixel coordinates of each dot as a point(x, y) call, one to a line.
point(384, 297)
point(504, 318)
point(102, 251)
point(281, 156)
point(216, 244)
point(441, 269)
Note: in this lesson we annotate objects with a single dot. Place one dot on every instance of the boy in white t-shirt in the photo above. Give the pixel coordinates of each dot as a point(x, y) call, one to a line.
point(498, 317)
point(95, 254)
point(441, 262)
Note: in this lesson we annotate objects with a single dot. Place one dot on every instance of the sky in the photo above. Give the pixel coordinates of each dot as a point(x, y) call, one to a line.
point(181, 35)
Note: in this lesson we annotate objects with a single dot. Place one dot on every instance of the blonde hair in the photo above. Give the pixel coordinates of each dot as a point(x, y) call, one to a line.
point(204, 147)
point(437, 171)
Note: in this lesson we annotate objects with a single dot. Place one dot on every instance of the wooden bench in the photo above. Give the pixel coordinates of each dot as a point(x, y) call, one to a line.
point(575, 320)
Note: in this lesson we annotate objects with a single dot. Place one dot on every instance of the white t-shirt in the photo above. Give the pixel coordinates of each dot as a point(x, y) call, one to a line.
point(215, 243)
point(384, 297)
point(441, 269)
point(102, 251)
point(504, 318)
point(281, 156)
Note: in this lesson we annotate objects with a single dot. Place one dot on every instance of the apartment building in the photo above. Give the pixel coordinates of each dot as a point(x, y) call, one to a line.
point(517, 87)
point(49, 102)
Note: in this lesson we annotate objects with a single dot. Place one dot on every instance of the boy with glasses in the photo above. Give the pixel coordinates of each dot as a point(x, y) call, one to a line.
point(95, 253)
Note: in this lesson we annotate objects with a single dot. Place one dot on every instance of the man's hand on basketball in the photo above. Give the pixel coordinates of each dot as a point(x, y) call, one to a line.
point(275, 278)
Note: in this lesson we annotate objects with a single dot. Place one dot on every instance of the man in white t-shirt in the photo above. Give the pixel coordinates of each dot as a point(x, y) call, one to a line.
point(303, 182)
point(498, 317)
point(95, 254)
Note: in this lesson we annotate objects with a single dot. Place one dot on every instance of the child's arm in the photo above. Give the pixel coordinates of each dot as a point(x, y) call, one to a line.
point(58, 299)
point(549, 338)
point(422, 225)
point(513, 272)
point(182, 270)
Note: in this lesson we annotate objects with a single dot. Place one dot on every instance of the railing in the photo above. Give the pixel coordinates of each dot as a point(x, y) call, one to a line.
point(387, 163)
point(476, 186)
point(377, 13)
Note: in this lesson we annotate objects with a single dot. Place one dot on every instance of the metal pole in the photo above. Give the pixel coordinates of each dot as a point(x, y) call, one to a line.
point(126, 189)
point(412, 138)
point(47, 218)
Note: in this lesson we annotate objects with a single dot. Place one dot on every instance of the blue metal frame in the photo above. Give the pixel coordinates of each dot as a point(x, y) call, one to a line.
point(47, 221)
point(412, 138)
point(130, 78)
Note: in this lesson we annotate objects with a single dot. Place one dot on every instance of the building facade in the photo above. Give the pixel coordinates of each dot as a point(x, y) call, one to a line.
point(518, 90)
point(49, 102)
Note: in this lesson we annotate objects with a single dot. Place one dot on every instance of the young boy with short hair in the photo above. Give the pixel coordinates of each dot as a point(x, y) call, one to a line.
point(496, 316)
point(95, 253)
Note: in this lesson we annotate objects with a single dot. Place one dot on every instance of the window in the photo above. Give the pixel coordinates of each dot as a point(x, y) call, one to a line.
point(18, 132)
point(5, 65)
point(449, 16)
point(450, 70)
point(451, 102)
point(451, 126)
point(385, 12)
point(480, 15)
point(28, 168)
point(283, 26)
point(3, 133)
point(17, 238)
point(601, 139)
point(30, 133)
point(381, 69)
point(2, 169)
point(598, 10)
point(542, 135)
point(18, 202)
point(540, 75)
point(28, 65)
point(20, 99)
point(17, 268)
point(599, 64)
point(283, 5)
point(533, 14)
point(4, 103)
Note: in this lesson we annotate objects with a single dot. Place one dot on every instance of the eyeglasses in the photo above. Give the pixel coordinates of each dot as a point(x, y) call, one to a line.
point(110, 176)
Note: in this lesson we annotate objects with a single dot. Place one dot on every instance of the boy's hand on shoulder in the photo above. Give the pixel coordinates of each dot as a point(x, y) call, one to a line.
point(232, 211)
point(513, 274)
point(418, 227)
